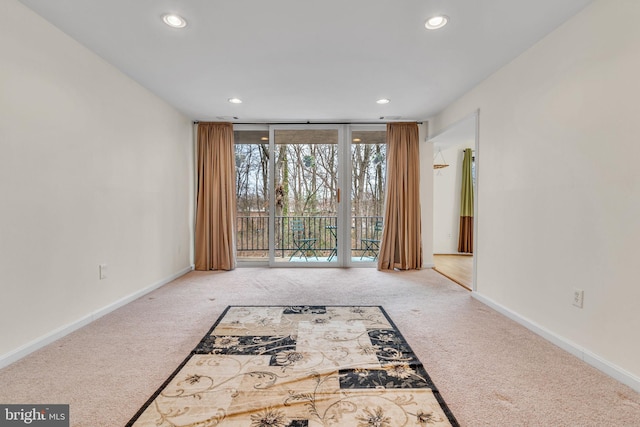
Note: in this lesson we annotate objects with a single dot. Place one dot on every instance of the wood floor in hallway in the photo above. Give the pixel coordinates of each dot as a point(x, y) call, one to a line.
point(458, 268)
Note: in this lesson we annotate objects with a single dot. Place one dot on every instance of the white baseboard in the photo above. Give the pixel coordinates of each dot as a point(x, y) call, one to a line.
point(17, 354)
point(581, 353)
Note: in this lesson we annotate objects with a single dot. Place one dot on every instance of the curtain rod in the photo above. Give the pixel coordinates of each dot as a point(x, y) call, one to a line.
point(195, 122)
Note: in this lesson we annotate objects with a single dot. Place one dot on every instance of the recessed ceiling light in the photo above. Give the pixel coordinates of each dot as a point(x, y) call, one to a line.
point(436, 22)
point(356, 140)
point(383, 101)
point(264, 138)
point(175, 21)
point(235, 100)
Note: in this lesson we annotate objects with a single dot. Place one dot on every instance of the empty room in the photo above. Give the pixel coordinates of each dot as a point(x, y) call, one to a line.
point(343, 213)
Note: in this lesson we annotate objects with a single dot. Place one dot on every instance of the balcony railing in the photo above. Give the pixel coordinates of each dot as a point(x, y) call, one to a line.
point(252, 238)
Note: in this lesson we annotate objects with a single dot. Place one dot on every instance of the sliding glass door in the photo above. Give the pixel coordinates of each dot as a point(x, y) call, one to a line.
point(368, 151)
point(306, 195)
point(310, 195)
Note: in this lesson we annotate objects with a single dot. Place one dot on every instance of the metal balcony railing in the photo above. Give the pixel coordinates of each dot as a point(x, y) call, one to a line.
point(252, 234)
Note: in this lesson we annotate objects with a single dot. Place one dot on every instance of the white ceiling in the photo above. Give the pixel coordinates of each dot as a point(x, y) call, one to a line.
point(302, 60)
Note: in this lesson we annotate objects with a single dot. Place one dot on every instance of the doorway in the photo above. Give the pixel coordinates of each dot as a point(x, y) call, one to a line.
point(448, 148)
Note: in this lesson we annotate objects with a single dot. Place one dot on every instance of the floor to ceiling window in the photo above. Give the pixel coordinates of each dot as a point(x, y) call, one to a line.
point(309, 195)
point(368, 179)
point(252, 194)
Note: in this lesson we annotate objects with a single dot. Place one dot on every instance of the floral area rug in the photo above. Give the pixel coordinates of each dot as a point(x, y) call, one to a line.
point(299, 366)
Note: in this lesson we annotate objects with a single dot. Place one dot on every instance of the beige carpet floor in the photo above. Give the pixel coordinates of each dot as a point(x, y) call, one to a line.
point(490, 370)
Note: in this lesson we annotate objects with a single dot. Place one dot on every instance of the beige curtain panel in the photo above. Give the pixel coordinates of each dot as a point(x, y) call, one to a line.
point(465, 239)
point(401, 246)
point(216, 198)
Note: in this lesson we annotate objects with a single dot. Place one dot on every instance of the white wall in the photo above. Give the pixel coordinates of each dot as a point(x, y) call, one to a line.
point(426, 196)
point(447, 186)
point(559, 183)
point(93, 169)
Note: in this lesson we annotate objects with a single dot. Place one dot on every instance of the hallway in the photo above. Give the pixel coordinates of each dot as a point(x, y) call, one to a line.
point(458, 268)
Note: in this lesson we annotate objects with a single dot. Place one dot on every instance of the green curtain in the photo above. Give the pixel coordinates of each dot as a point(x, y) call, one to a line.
point(465, 239)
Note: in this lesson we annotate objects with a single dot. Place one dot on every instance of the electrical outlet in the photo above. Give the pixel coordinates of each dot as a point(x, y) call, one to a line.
point(103, 271)
point(578, 297)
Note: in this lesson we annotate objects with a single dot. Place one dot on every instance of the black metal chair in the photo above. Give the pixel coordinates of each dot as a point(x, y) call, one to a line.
point(303, 244)
point(372, 244)
point(334, 251)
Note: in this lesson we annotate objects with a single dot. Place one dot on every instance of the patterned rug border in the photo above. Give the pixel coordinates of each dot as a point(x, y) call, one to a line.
point(149, 401)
